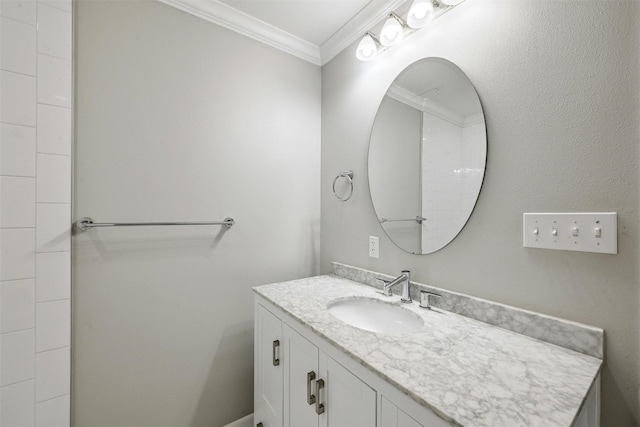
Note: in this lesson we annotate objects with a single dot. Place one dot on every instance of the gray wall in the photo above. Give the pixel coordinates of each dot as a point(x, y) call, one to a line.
point(559, 86)
point(179, 119)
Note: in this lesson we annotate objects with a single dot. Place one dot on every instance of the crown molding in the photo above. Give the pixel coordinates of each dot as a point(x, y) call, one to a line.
point(425, 105)
point(233, 19)
point(404, 96)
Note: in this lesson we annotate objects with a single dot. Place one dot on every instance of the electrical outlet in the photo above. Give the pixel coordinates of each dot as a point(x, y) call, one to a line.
point(374, 246)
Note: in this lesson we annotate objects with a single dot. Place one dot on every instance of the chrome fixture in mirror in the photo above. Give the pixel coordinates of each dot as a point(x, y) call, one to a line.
point(427, 155)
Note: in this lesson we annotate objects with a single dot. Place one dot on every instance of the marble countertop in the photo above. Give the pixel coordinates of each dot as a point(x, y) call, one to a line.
point(468, 372)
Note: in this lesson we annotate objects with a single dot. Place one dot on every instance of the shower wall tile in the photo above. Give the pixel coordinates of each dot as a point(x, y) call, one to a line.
point(23, 11)
point(53, 275)
point(53, 227)
point(54, 81)
point(54, 31)
point(17, 253)
point(53, 371)
point(18, 46)
point(54, 130)
point(17, 150)
point(54, 178)
point(18, 208)
point(54, 412)
point(35, 212)
point(16, 357)
point(17, 305)
point(18, 101)
point(53, 325)
point(16, 404)
point(58, 4)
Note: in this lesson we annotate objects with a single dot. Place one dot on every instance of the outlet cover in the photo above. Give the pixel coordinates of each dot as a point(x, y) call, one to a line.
point(374, 246)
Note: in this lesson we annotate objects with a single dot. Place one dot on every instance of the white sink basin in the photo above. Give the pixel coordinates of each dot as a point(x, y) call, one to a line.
point(376, 316)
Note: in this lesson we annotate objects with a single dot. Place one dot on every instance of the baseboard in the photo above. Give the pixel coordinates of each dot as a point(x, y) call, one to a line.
point(242, 422)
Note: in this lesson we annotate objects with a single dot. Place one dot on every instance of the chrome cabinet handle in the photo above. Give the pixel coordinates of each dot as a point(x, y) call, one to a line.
point(311, 398)
point(276, 353)
point(319, 406)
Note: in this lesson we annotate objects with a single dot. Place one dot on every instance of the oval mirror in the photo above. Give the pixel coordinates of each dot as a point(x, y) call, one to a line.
point(427, 155)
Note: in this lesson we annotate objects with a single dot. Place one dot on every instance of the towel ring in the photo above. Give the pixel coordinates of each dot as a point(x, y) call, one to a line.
point(349, 176)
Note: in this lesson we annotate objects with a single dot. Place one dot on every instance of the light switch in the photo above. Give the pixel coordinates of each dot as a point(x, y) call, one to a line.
point(562, 231)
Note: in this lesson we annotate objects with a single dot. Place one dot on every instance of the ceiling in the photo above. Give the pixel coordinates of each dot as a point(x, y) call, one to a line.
point(314, 30)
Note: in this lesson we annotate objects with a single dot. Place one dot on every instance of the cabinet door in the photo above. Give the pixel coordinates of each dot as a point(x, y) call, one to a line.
point(268, 387)
point(348, 401)
point(300, 376)
point(392, 416)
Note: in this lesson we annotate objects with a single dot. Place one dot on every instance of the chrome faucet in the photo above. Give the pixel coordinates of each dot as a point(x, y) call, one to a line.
point(404, 279)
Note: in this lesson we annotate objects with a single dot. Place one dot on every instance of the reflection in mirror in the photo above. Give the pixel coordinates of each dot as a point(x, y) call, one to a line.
point(427, 155)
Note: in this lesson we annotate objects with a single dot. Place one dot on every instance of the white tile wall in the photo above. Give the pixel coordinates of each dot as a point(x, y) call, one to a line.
point(35, 212)
point(22, 11)
point(17, 357)
point(17, 402)
point(18, 103)
point(17, 150)
point(54, 130)
point(53, 371)
point(53, 325)
point(17, 253)
point(54, 178)
point(18, 209)
point(51, 40)
point(17, 305)
point(53, 227)
point(54, 81)
point(19, 41)
point(53, 275)
point(53, 412)
point(58, 4)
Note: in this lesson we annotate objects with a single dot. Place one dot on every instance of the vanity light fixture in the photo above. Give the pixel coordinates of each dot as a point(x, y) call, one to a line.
point(421, 13)
point(367, 48)
point(395, 28)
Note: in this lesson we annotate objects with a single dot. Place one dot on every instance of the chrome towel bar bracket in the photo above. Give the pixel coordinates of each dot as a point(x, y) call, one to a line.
point(87, 223)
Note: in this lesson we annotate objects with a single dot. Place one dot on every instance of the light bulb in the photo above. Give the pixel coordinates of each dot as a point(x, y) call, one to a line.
point(392, 32)
point(451, 2)
point(420, 13)
point(367, 49)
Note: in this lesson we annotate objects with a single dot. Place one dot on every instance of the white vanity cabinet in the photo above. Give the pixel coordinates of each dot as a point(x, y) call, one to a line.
point(302, 381)
point(318, 391)
point(297, 384)
point(268, 371)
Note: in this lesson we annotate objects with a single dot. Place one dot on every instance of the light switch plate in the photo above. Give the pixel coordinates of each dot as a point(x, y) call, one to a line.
point(582, 232)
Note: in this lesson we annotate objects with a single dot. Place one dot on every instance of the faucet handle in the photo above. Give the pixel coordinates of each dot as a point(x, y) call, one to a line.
point(425, 298)
point(385, 291)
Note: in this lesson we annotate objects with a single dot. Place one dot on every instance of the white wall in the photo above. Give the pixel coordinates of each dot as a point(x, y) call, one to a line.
point(179, 119)
point(558, 82)
point(35, 212)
